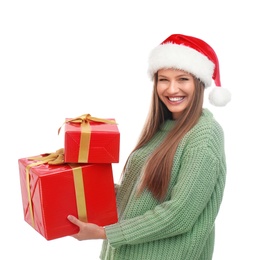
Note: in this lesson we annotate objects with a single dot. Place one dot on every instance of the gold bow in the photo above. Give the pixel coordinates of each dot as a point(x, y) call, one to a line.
point(50, 158)
point(85, 118)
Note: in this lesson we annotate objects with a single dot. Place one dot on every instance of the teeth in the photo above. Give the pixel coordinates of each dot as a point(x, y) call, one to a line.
point(175, 98)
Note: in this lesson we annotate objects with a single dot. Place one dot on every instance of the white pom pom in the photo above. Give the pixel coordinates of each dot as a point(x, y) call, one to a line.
point(219, 96)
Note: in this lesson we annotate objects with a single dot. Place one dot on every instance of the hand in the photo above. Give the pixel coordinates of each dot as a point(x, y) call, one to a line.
point(87, 230)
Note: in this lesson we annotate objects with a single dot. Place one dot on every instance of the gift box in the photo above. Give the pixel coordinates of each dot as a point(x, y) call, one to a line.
point(52, 192)
point(91, 140)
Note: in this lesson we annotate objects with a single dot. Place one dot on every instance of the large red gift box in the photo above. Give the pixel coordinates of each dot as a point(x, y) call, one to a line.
point(52, 192)
point(87, 140)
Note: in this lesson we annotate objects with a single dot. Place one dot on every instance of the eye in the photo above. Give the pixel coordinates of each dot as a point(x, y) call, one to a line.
point(162, 79)
point(183, 79)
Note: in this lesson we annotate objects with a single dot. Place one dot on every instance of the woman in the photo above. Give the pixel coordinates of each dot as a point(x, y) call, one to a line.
point(173, 181)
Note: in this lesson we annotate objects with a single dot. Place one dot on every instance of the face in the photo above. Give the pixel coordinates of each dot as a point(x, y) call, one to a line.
point(175, 89)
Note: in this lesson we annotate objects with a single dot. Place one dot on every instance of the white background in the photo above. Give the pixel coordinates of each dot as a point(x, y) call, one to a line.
point(62, 59)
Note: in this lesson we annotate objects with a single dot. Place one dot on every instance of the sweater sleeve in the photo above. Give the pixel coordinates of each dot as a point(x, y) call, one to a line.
point(116, 187)
point(195, 185)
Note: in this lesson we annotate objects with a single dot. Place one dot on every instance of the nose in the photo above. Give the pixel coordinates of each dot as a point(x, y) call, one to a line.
point(173, 87)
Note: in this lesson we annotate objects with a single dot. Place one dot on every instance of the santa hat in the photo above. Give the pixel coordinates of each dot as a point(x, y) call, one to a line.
point(192, 55)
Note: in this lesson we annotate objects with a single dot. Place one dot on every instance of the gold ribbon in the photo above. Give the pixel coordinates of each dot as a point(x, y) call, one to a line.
point(79, 193)
point(57, 158)
point(84, 142)
point(84, 120)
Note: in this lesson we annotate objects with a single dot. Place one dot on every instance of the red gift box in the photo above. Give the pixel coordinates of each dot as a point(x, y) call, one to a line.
point(52, 192)
point(91, 140)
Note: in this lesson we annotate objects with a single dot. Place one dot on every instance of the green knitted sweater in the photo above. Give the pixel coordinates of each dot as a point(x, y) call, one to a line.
point(181, 227)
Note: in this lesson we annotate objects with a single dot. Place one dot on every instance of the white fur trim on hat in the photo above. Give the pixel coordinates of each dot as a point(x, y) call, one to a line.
point(170, 55)
point(219, 96)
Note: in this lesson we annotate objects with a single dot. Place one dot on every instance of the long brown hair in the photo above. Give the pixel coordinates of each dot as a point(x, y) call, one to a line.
point(157, 170)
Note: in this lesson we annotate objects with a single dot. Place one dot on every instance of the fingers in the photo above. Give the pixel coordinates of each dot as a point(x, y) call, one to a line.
point(87, 230)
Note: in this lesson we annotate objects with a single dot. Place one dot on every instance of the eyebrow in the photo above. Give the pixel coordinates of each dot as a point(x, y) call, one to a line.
point(180, 75)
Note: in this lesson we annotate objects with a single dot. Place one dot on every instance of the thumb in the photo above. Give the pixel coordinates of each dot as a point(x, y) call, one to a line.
point(74, 220)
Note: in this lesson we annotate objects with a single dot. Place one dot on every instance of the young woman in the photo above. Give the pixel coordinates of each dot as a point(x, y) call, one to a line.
point(173, 181)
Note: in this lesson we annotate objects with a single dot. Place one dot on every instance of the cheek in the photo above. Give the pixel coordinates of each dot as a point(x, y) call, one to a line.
point(192, 90)
point(189, 89)
point(160, 90)
point(159, 95)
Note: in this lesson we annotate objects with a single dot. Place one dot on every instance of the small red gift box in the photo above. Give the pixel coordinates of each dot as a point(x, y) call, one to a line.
point(91, 140)
point(52, 192)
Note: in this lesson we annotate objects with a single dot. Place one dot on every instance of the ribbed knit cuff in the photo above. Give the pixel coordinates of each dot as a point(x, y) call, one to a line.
point(114, 235)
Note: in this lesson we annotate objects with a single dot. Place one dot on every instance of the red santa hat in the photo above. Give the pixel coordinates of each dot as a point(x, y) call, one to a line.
point(192, 55)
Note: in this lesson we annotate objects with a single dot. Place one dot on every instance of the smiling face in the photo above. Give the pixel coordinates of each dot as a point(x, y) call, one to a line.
point(175, 89)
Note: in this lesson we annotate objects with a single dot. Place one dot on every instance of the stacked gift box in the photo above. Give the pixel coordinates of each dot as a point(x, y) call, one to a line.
point(76, 179)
